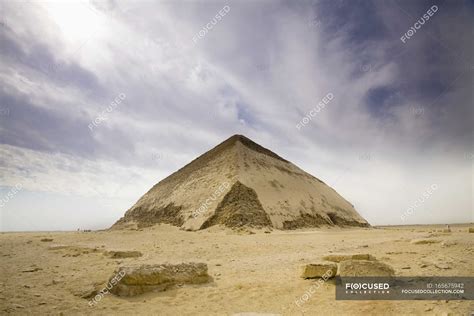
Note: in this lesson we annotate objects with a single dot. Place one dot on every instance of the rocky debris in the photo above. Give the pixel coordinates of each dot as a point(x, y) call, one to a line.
point(73, 251)
point(136, 280)
point(123, 254)
point(442, 266)
point(58, 247)
point(32, 269)
point(350, 268)
point(86, 292)
point(343, 257)
point(471, 229)
point(424, 241)
point(317, 270)
point(46, 239)
point(448, 243)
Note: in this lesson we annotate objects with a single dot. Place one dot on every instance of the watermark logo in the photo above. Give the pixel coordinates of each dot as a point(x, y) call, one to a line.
point(314, 111)
point(365, 156)
point(418, 24)
point(417, 110)
point(365, 67)
point(314, 22)
point(103, 115)
point(4, 111)
point(10, 194)
point(112, 282)
point(313, 288)
point(208, 202)
point(425, 196)
point(210, 25)
point(157, 156)
point(367, 288)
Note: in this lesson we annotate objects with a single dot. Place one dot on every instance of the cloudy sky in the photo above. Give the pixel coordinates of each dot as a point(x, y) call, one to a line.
point(99, 100)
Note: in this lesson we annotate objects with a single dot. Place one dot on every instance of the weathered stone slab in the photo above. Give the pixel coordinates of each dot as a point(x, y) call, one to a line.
point(342, 257)
point(318, 270)
point(352, 268)
point(159, 277)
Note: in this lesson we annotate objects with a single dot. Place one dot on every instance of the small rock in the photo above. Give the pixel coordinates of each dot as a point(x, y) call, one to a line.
point(406, 268)
point(448, 243)
point(86, 292)
point(218, 265)
point(424, 241)
point(46, 239)
point(365, 268)
point(342, 257)
point(123, 254)
point(33, 269)
point(442, 266)
point(17, 306)
point(317, 270)
point(471, 229)
point(423, 265)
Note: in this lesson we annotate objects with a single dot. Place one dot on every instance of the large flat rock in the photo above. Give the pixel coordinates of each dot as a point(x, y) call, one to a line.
point(318, 270)
point(135, 280)
point(353, 268)
point(343, 257)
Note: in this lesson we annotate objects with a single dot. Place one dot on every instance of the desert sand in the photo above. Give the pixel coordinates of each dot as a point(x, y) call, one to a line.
point(252, 271)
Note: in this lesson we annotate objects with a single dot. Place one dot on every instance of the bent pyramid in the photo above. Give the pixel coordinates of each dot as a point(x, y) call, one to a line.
point(240, 183)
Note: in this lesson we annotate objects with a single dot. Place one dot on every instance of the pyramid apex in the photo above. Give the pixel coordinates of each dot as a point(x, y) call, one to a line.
point(247, 142)
point(236, 137)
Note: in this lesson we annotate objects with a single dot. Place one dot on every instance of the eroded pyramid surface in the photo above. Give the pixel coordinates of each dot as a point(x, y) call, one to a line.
point(240, 183)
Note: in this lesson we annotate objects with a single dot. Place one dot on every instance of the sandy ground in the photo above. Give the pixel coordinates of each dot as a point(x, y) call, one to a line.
point(252, 272)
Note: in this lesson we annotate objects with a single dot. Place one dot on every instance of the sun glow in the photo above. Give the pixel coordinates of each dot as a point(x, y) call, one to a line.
point(79, 21)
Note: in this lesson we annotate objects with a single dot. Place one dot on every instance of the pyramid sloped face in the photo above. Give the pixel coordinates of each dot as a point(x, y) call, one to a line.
point(240, 183)
point(239, 207)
